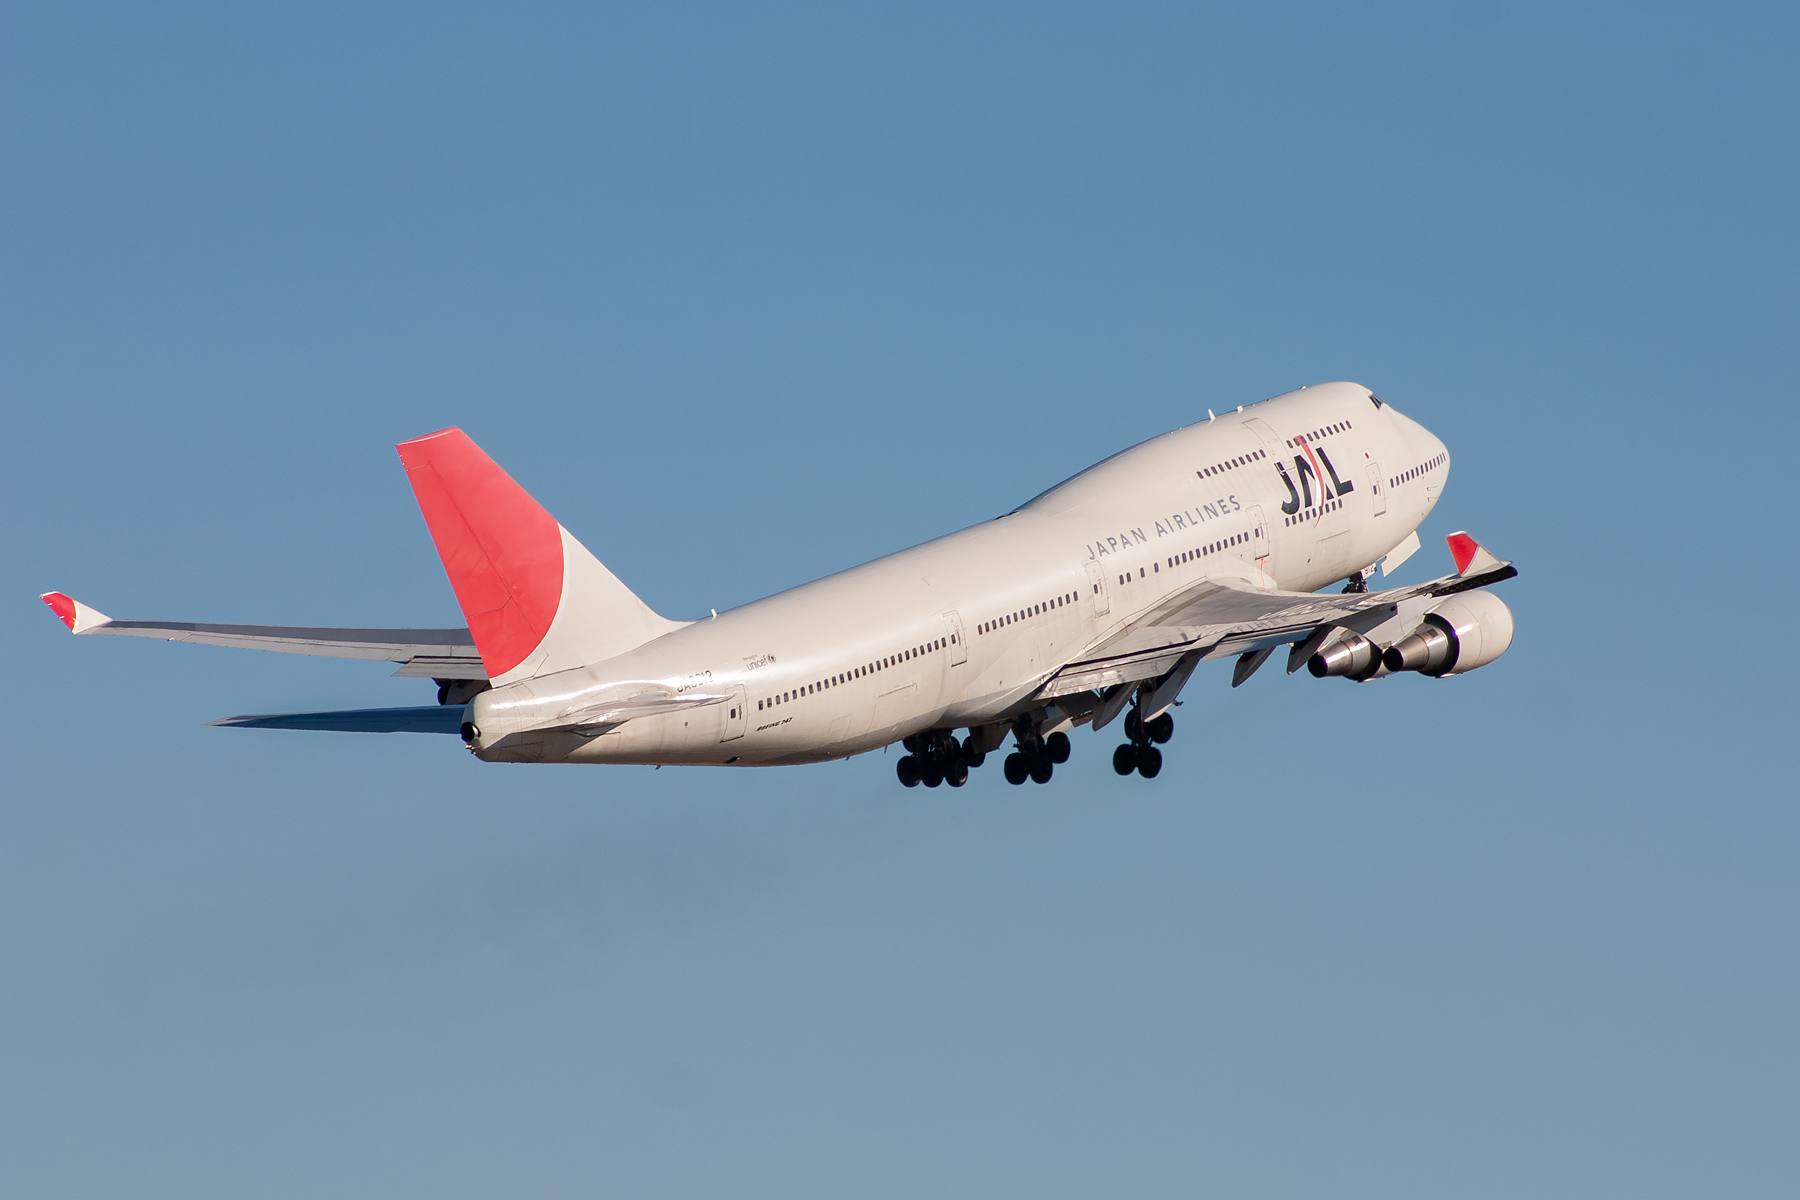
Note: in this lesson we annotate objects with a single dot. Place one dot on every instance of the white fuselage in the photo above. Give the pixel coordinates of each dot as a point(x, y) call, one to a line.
point(963, 630)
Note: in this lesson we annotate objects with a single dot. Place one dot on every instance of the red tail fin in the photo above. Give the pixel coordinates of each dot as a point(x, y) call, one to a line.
point(502, 551)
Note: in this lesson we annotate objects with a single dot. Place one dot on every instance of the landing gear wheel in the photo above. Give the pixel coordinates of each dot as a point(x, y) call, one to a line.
point(1125, 759)
point(931, 774)
point(973, 757)
point(1057, 747)
point(956, 774)
point(1134, 726)
point(1017, 769)
point(908, 771)
point(1041, 769)
point(1161, 729)
point(1149, 761)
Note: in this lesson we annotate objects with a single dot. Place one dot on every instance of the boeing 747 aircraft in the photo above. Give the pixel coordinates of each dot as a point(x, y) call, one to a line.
point(1095, 600)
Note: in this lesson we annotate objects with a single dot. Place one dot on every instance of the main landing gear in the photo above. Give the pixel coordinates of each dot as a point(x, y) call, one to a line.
point(1140, 753)
point(1037, 757)
point(937, 758)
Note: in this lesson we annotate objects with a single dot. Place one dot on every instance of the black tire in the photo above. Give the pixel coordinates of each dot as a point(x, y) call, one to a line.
point(1057, 747)
point(1134, 726)
point(1017, 769)
point(1149, 762)
point(1125, 759)
point(1041, 769)
point(1161, 729)
point(908, 771)
point(974, 757)
point(957, 774)
point(932, 773)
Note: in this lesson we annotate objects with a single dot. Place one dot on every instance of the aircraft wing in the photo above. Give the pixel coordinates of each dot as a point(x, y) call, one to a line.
point(1219, 617)
point(425, 653)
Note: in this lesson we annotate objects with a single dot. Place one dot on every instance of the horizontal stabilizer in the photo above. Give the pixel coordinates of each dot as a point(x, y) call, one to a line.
point(435, 718)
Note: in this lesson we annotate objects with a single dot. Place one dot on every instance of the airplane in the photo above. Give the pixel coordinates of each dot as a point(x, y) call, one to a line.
point(1096, 599)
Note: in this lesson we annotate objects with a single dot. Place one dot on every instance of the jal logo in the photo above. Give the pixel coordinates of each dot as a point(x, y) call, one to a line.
point(1313, 466)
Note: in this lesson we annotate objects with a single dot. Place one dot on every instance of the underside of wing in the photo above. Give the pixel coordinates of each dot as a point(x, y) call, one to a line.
point(435, 718)
point(426, 653)
point(1220, 617)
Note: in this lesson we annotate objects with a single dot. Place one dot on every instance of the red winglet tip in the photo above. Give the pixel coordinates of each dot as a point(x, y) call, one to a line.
point(1462, 549)
point(62, 606)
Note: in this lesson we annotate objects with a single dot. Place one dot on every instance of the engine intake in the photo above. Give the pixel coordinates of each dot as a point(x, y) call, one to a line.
point(1462, 633)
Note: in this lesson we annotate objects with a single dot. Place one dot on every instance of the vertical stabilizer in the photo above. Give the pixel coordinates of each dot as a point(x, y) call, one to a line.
point(535, 599)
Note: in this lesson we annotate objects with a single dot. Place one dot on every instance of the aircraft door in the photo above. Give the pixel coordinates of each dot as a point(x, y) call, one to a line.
point(737, 714)
point(1097, 589)
point(1378, 488)
point(959, 649)
point(1265, 435)
point(1259, 533)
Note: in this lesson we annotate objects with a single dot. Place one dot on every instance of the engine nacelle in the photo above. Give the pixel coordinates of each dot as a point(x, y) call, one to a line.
point(1462, 633)
point(1354, 657)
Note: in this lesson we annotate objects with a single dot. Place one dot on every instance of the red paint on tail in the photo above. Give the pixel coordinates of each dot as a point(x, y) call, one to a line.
point(502, 551)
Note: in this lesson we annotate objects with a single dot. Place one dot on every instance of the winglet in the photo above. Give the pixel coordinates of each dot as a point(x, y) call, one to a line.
point(73, 613)
point(1472, 558)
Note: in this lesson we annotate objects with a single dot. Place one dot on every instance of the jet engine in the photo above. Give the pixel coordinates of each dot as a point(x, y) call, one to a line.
point(1462, 633)
point(1354, 657)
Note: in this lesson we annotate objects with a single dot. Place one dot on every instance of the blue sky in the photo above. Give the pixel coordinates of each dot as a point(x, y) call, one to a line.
point(748, 297)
